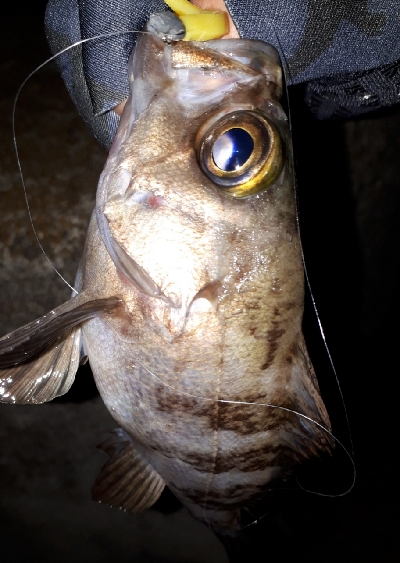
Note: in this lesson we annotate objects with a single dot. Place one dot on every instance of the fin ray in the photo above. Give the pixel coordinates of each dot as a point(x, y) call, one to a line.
point(127, 480)
point(29, 340)
point(44, 378)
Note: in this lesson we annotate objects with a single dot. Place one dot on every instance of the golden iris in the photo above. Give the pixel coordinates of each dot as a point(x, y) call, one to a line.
point(240, 152)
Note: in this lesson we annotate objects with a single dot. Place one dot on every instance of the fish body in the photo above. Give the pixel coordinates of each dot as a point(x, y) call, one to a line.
point(190, 291)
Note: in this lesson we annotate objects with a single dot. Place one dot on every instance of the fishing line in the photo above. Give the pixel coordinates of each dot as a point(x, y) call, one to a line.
point(270, 405)
point(267, 405)
point(52, 58)
point(286, 69)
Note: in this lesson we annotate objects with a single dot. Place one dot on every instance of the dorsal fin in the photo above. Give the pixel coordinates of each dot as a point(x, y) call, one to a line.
point(127, 480)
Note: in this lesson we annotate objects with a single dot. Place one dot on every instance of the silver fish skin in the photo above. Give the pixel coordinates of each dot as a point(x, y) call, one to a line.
point(190, 299)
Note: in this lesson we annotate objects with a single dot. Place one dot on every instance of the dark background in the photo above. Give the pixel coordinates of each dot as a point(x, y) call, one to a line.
point(349, 201)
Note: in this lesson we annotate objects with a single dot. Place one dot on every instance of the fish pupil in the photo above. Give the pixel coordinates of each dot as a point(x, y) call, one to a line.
point(232, 149)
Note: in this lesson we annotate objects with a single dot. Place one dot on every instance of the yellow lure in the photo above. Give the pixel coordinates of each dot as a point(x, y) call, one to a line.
point(201, 25)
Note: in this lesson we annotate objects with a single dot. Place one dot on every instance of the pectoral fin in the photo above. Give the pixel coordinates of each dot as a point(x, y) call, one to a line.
point(127, 480)
point(38, 361)
point(25, 342)
point(44, 378)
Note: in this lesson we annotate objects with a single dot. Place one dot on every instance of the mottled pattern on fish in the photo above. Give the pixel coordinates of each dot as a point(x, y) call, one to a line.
point(204, 364)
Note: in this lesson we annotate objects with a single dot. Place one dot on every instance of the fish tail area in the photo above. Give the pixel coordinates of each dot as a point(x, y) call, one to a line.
point(127, 480)
point(38, 362)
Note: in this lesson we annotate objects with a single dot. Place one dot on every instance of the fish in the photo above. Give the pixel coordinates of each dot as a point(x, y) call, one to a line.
point(190, 291)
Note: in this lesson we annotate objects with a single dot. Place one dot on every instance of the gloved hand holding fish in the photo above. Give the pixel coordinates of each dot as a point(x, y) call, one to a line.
point(190, 290)
point(327, 47)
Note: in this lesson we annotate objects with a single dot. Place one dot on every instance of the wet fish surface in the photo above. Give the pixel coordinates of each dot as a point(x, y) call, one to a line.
point(191, 291)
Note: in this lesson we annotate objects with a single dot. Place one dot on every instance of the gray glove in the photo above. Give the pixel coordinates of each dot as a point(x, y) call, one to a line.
point(346, 52)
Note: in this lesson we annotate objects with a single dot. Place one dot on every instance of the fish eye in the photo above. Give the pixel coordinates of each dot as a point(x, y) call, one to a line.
point(241, 152)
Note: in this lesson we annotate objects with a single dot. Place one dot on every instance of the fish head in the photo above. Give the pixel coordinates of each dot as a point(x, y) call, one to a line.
point(196, 202)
